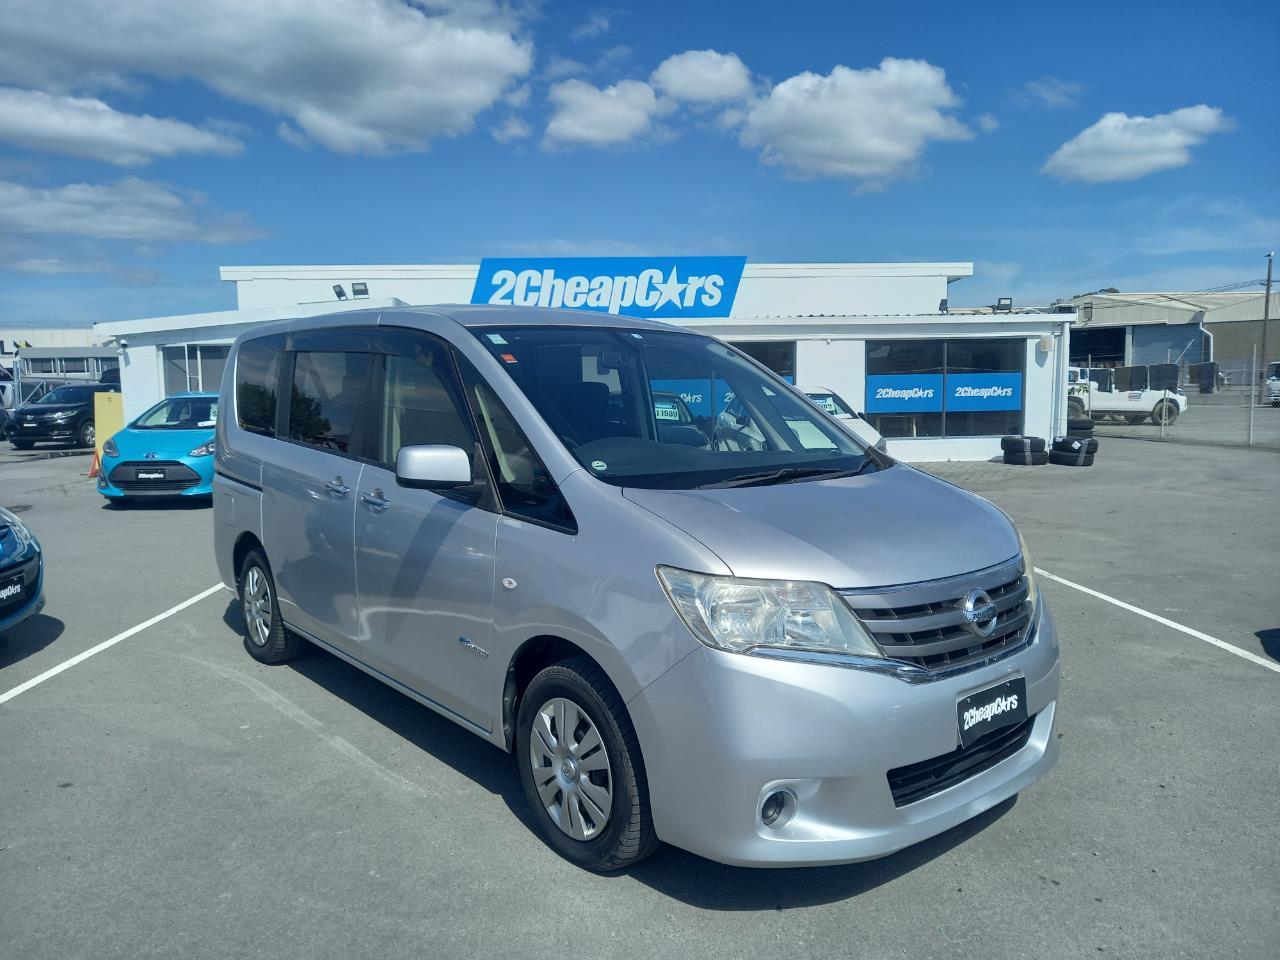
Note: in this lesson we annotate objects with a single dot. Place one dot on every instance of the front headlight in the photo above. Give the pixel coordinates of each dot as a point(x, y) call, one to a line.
point(109, 449)
point(204, 450)
point(740, 615)
point(1033, 591)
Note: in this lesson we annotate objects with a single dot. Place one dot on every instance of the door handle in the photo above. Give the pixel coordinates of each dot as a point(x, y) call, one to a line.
point(337, 488)
point(375, 500)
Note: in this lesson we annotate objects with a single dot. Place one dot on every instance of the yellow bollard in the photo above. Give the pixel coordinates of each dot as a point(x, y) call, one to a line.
point(108, 419)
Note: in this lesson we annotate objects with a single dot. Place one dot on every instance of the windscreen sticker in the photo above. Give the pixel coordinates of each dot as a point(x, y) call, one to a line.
point(599, 466)
point(497, 338)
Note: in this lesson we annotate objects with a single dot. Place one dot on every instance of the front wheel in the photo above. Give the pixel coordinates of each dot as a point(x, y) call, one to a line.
point(1165, 412)
point(581, 769)
point(23, 444)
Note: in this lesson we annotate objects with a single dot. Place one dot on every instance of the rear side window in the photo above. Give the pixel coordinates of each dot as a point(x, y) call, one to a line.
point(257, 377)
point(329, 405)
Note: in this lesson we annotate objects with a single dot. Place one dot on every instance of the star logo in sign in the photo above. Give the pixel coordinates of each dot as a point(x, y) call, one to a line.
point(671, 289)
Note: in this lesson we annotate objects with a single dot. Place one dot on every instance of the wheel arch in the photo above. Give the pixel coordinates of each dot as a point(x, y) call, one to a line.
point(534, 655)
point(244, 543)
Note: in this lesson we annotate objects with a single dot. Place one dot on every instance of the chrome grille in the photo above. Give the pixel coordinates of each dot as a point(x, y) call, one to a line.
point(923, 623)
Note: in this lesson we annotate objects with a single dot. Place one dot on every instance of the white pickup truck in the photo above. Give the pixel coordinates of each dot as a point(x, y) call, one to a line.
point(1085, 398)
point(1273, 383)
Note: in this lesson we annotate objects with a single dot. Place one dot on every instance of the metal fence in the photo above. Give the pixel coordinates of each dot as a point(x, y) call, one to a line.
point(1233, 410)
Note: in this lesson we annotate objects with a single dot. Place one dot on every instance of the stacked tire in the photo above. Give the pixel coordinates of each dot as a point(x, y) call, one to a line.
point(1024, 451)
point(1073, 451)
point(1079, 427)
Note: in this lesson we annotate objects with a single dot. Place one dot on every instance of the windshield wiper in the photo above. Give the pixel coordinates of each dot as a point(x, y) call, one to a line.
point(785, 475)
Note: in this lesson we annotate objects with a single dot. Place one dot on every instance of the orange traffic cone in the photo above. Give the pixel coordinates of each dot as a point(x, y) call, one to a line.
point(95, 467)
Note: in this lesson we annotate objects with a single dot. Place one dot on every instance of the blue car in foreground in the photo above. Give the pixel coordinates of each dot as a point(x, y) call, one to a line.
point(166, 452)
point(21, 572)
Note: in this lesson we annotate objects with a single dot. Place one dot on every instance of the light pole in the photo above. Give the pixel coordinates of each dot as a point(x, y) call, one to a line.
point(1266, 322)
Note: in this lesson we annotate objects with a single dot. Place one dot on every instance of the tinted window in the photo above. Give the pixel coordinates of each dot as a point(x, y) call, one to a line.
point(257, 379)
point(524, 484)
point(419, 404)
point(989, 367)
point(329, 402)
point(68, 395)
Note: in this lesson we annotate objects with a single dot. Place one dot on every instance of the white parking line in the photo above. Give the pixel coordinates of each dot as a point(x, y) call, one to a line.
point(81, 657)
point(1165, 621)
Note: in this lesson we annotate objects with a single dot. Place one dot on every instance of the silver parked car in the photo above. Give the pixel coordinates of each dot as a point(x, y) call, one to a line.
point(744, 634)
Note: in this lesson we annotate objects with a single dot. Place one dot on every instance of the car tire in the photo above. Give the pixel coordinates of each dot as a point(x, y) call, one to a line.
point(87, 434)
point(1032, 458)
point(1079, 426)
point(23, 444)
point(1166, 412)
point(265, 636)
point(1080, 459)
point(552, 769)
point(1136, 419)
point(1020, 444)
point(1075, 408)
point(1074, 445)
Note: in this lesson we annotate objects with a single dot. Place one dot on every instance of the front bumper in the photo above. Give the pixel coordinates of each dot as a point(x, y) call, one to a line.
point(45, 431)
point(721, 731)
point(32, 570)
point(185, 477)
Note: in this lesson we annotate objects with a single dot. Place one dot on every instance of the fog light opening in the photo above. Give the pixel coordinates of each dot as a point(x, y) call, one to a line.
point(777, 809)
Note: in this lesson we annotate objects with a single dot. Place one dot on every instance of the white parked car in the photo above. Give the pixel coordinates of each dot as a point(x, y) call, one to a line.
point(1087, 399)
point(854, 422)
point(1273, 383)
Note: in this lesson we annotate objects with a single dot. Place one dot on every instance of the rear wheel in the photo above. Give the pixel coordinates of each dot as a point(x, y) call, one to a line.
point(265, 636)
point(581, 769)
point(1165, 412)
point(87, 434)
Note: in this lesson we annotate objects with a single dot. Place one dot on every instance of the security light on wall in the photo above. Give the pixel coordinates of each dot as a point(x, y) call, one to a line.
point(1004, 304)
point(339, 292)
point(359, 289)
point(942, 305)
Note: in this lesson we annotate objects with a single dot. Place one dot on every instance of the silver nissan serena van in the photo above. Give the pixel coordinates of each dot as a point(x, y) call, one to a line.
point(721, 622)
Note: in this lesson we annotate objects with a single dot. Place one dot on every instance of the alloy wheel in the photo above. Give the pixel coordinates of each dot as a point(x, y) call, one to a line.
point(257, 606)
point(571, 770)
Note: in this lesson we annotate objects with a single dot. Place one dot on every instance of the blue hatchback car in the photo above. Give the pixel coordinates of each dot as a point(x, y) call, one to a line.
point(166, 452)
point(21, 572)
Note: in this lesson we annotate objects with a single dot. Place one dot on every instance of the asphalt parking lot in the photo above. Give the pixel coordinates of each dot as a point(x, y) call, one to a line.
point(169, 797)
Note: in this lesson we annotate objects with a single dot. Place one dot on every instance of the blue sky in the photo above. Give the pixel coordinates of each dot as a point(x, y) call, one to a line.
point(1061, 149)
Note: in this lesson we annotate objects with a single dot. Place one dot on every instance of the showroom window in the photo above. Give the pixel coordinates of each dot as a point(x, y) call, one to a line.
point(945, 388)
point(778, 356)
point(195, 367)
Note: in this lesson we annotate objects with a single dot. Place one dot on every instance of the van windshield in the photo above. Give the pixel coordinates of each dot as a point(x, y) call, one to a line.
point(672, 411)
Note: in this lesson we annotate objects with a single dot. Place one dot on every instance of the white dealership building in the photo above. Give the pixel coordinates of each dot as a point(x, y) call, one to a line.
point(938, 385)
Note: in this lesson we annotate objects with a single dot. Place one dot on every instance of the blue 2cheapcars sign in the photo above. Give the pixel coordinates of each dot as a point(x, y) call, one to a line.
point(984, 391)
point(905, 393)
point(650, 287)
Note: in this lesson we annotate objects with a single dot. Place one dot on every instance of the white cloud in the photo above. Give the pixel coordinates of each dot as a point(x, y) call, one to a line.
point(56, 266)
point(590, 116)
point(1121, 147)
point(513, 128)
point(85, 127)
point(593, 26)
point(870, 125)
point(560, 67)
point(353, 75)
point(129, 209)
point(1052, 92)
point(703, 76)
point(988, 124)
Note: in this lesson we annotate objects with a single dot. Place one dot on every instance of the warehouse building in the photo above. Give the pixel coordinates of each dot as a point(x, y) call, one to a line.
point(1139, 329)
point(939, 386)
